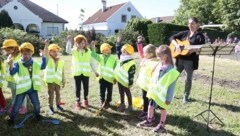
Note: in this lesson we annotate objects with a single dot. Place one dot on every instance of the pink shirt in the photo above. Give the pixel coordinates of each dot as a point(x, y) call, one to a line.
point(140, 49)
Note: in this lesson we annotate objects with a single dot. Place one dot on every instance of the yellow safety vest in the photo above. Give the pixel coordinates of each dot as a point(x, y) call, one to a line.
point(81, 63)
point(106, 70)
point(145, 74)
point(9, 77)
point(158, 91)
point(53, 73)
point(2, 74)
point(23, 80)
point(121, 72)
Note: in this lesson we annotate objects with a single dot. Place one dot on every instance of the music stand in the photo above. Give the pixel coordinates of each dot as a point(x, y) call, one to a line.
point(214, 49)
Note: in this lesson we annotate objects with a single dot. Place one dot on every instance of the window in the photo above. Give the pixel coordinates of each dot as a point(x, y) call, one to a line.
point(52, 31)
point(124, 18)
point(129, 9)
point(15, 7)
point(133, 16)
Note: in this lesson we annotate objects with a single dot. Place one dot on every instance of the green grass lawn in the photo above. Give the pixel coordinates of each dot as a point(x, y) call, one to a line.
point(180, 119)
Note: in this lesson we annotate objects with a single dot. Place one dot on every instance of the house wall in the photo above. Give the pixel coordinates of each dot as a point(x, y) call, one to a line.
point(114, 22)
point(24, 16)
point(21, 15)
point(50, 29)
point(99, 28)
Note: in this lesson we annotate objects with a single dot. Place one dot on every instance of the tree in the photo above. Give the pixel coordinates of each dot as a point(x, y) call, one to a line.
point(229, 15)
point(201, 9)
point(6, 20)
point(140, 26)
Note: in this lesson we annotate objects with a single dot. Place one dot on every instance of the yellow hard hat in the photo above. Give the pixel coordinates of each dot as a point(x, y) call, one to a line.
point(79, 37)
point(27, 45)
point(105, 46)
point(128, 48)
point(54, 47)
point(9, 43)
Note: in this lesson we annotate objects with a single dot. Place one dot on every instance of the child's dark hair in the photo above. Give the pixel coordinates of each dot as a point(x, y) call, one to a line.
point(150, 48)
point(165, 50)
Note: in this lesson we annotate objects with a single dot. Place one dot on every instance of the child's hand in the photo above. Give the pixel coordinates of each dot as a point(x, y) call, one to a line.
point(93, 44)
point(167, 102)
point(10, 60)
point(41, 52)
point(69, 38)
point(46, 42)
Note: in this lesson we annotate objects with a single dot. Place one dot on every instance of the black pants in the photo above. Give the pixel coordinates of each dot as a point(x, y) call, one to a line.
point(145, 101)
point(85, 81)
point(122, 90)
point(105, 85)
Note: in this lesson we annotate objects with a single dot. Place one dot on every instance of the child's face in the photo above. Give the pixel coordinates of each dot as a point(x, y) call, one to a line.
point(53, 53)
point(124, 52)
point(26, 54)
point(81, 44)
point(147, 55)
point(106, 52)
point(9, 50)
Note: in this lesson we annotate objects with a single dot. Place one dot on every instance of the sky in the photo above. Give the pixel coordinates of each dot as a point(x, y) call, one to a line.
point(70, 9)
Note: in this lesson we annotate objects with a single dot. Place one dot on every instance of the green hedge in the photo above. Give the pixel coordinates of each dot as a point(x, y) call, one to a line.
point(161, 32)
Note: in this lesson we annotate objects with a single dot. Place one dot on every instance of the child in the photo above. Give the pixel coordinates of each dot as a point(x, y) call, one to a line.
point(140, 45)
point(124, 74)
point(161, 92)
point(10, 46)
point(148, 64)
point(106, 72)
point(54, 75)
point(2, 99)
point(81, 66)
point(27, 80)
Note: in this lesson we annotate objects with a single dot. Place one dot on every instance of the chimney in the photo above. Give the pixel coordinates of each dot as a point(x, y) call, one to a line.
point(104, 2)
point(158, 19)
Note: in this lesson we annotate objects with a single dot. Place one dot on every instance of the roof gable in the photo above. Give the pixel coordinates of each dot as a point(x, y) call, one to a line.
point(44, 14)
point(100, 16)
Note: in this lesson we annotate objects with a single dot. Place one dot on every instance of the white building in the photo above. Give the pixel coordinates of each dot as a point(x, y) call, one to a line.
point(109, 20)
point(30, 17)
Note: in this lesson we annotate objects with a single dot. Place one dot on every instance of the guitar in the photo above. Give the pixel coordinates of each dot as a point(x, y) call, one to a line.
point(185, 48)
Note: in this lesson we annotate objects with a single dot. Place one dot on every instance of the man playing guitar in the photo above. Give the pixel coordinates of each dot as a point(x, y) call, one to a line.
point(188, 62)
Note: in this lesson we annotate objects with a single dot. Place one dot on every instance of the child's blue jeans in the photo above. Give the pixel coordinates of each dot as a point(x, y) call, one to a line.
point(33, 95)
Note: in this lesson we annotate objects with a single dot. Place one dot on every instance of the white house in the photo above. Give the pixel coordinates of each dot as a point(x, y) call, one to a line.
point(109, 20)
point(30, 17)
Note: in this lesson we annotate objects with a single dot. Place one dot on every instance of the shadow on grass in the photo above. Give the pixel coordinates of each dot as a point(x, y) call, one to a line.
point(193, 127)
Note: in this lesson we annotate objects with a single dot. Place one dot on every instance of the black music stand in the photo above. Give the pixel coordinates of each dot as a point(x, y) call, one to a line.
point(214, 49)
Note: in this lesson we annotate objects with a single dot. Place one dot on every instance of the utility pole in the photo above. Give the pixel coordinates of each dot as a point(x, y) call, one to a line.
point(57, 9)
point(81, 18)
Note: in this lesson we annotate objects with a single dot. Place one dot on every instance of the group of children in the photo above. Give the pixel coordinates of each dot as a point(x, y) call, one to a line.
point(157, 76)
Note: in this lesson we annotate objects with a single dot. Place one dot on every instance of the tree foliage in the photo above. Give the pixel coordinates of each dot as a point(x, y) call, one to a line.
point(140, 26)
point(6, 20)
point(225, 12)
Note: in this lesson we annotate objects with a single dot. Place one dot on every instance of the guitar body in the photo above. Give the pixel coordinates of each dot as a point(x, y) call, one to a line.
point(183, 45)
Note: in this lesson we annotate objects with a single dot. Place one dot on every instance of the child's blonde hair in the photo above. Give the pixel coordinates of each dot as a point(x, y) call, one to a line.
point(165, 50)
point(150, 49)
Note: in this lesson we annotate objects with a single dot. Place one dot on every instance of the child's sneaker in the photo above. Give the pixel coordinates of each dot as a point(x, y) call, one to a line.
point(77, 106)
point(85, 104)
point(129, 109)
point(145, 123)
point(22, 110)
point(51, 111)
point(159, 129)
point(60, 108)
point(107, 105)
point(121, 108)
point(143, 115)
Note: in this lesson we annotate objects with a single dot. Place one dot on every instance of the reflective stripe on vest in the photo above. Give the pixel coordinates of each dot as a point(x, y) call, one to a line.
point(145, 74)
point(158, 91)
point(9, 77)
point(106, 70)
point(81, 63)
point(121, 72)
point(2, 75)
point(53, 75)
point(24, 82)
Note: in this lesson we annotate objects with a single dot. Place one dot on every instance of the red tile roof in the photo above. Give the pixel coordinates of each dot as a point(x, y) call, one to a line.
point(100, 16)
point(44, 14)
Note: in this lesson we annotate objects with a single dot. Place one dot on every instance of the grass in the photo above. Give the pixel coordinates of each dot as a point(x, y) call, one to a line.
point(180, 119)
